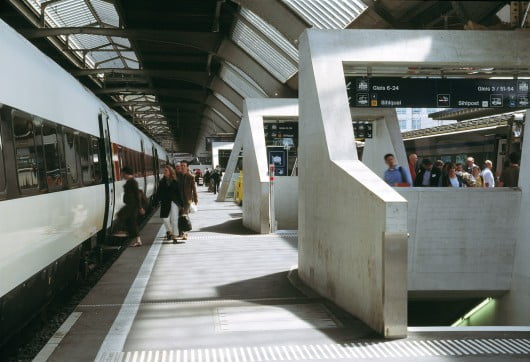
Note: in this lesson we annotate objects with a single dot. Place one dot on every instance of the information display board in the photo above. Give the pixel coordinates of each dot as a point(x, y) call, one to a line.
point(397, 92)
point(277, 156)
point(281, 134)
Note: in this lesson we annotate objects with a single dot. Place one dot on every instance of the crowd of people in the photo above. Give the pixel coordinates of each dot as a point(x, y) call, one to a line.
point(211, 179)
point(177, 194)
point(449, 174)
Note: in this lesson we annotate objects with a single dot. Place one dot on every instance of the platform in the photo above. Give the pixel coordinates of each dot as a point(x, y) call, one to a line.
point(225, 295)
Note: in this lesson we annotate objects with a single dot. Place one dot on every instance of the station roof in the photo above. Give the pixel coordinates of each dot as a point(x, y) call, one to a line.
point(179, 70)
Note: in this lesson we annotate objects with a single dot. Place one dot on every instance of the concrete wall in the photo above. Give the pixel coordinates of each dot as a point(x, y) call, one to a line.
point(386, 139)
point(256, 209)
point(352, 225)
point(216, 147)
point(514, 308)
point(462, 241)
point(231, 166)
point(286, 202)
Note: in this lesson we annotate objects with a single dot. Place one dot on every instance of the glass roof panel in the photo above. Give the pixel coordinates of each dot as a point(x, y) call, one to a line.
point(271, 33)
point(328, 14)
point(71, 13)
point(263, 52)
point(121, 41)
point(106, 12)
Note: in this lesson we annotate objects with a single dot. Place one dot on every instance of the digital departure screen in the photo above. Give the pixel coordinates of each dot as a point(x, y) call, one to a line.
point(437, 93)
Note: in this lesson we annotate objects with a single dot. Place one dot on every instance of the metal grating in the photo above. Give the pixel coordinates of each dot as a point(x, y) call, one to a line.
point(240, 82)
point(328, 14)
point(263, 52)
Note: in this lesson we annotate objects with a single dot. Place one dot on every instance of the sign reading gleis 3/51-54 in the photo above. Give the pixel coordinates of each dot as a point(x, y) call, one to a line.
point(437, 93)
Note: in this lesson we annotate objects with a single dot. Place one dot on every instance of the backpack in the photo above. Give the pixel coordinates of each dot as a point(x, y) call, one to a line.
point(404, 182)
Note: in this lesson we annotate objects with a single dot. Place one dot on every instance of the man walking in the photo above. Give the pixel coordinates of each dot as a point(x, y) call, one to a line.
point(487, 174)
point(395, 175)
point(188, 189)
point(216, 177)
point(428, 176)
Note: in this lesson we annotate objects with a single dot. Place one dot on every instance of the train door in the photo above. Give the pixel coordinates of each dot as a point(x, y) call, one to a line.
point(142, 165)
point(156, 170)
point(105, 155)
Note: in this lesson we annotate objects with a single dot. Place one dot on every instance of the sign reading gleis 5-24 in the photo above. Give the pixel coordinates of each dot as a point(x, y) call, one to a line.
point(437, 93)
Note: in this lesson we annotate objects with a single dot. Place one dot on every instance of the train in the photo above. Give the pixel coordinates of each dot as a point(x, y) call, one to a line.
point(61, 152)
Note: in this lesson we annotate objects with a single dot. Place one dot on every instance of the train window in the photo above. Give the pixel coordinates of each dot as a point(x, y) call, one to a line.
point(70, 156)
point(2, 167)
point(94, 147)
point(62, 157)
point(85, 161)
point(41, 163)
point(25, 153)
point(54, 179)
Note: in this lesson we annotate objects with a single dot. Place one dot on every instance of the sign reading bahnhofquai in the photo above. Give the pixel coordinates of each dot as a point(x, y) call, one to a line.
point(437, 93)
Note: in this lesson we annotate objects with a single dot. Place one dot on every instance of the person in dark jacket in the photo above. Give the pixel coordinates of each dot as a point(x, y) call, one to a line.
point(170, 201)
point(128, 214)
point(429, 176)
point(207, 176)
point(188, 191)
point(452, 179)
point(216, 177)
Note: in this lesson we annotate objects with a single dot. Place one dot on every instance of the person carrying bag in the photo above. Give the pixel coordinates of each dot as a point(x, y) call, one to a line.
point(170, 201)
point(189, 196)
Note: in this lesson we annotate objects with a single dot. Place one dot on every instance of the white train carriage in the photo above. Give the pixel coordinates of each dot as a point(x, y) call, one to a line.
point(61, 150)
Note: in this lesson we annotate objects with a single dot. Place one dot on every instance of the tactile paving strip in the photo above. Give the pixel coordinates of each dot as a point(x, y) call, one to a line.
point(361, 350)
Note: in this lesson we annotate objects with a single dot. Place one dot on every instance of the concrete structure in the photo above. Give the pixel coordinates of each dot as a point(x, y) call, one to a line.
point(351, 241)
point(386, 138)
point(231, 166)
point(251, 136)
point(286, 202)
point(462, 241)
point(352, 225)
point(513, 309)
point(216, 147)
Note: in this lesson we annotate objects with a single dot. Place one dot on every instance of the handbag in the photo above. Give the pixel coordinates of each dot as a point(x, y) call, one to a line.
point(184, 223)
point(193, 208)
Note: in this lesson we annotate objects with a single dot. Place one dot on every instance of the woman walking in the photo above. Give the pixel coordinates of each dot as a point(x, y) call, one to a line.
point(171, 200)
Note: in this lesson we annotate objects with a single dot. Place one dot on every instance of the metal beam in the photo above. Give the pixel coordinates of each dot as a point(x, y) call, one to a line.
point(220, 121)
point(203, 41)
point(200, 78)
point(232, 118)
point(218, 85)
point(195, 95)
point(175, 104)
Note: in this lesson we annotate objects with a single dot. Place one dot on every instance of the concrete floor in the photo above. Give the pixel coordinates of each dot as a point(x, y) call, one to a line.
point(224, 295)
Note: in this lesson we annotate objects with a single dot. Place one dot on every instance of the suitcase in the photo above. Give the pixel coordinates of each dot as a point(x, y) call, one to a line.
point(200, 182)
